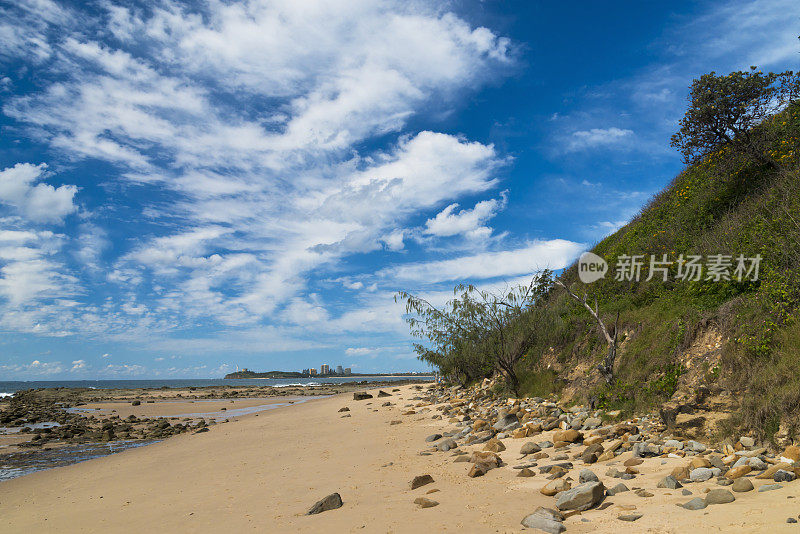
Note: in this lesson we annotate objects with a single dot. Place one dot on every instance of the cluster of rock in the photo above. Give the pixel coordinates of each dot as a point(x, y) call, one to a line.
point(582, 439)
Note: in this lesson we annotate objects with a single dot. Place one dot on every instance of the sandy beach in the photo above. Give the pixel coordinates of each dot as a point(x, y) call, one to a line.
point(262, 473)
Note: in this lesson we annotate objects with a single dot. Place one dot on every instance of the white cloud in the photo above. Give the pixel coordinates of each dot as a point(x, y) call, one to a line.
point(39, 202)
point(470, 223)
point(79, 365)
point(554, 254)
point(597, 137)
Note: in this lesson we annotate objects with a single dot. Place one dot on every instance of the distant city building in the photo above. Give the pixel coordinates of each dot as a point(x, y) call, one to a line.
point(339, 370)
point(312, 372)
point(305, 371)
point(325, 369)
point(348, 371)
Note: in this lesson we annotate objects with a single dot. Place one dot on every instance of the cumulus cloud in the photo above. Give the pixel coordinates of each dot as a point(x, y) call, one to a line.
point(36, 202)
point(470, 223)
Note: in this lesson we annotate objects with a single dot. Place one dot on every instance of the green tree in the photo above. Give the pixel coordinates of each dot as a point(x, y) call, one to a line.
point(479, 332)
point(728, 110)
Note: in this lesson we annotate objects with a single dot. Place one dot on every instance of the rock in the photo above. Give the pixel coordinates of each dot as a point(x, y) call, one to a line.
point(685, 492)
point(592, 422)
point(546, 520)
point(629, 517)
point(669, 482)
point(591, 453)
point(769, 487)
point(477, 470)
point(331, 502)
point(433, 437)
point(694, 446)
point(641, 492)
point(747, 442)
point(587, 475)
point(345, 409)
point(420, 480)
point(738, 472)
point(581, 497)
point(494, 445)
point(506, 421)
point(136, 403)
point(423, 502)
point(770, 472)
point(382, 393)
point(719, 496)
point(619, 488)
point(674, 443)
point(699, 462)
point(567, 436)
point(724, 481)
point(361, 395)
point(529, 448)
point(631, 462)
point(525, 472)
point(680, 473)
point(554, 487)
point(792, 452)
point(741, 485)
point(695, 504)
point(701, 474)
point(782, 475)
point(791, 520)
point(446, 445)
point(757, 464)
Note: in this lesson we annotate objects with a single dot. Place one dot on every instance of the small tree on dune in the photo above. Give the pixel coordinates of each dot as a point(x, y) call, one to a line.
point(727, 110)
point(479, 331)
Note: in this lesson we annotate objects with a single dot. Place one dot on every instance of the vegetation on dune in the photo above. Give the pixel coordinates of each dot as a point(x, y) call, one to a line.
point(739, 195)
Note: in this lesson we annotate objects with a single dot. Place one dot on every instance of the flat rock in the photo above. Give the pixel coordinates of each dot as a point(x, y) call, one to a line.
point(629, 517)
point(420, 480)
point(331, 502)
point(619, 488)
point(556, 486)
point(695, 504)
point(769, 487)
point(546, 520)
point(424, 502)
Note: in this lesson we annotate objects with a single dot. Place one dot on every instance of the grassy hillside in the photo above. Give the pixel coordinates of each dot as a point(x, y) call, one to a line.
point(727, 203)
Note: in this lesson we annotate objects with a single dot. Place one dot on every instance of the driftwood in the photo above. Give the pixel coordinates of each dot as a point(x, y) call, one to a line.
point(607, 367)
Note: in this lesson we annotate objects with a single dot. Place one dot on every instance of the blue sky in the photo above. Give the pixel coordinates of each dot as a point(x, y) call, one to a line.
point(187, 187)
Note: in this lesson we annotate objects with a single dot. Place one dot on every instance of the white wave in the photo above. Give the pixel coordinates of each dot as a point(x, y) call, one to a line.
point(298, 384)
point(3, 395)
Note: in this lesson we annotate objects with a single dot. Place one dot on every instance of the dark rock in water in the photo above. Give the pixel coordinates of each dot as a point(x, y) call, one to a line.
point(331, 502)
point(136, 403)
point(546, 520)
point(382, 393)
point(361, 395)
point(345, 409)
point(422, 502)
point(421, 480)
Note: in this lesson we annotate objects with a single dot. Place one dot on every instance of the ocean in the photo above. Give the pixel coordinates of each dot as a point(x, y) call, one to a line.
point(8, 388)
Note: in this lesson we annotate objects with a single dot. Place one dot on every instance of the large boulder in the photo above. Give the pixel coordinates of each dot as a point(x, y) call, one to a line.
point(719, 496)
point(361, 395)
point(331, 502)
point(567, 436)
point(581, 497)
